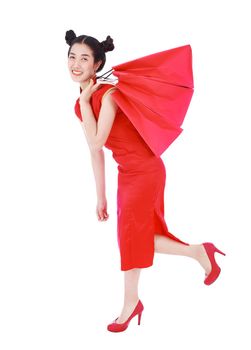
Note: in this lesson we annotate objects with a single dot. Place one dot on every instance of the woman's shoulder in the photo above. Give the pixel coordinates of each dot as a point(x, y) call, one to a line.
point(102, 91)
point(96, 98)
point(98, 95)
point(105, 88)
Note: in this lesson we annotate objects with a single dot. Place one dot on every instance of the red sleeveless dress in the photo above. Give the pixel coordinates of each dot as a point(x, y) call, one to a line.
point(140, 191)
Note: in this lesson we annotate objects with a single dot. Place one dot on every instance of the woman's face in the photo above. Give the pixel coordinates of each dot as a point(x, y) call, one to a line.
point(81, 63)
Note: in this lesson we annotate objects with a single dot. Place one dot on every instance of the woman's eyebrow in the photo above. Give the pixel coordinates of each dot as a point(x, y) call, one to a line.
point(83, 54)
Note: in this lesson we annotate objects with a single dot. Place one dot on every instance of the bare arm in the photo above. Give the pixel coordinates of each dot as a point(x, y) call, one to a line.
point(98, 165)
point(97, 132)
point(96, 135)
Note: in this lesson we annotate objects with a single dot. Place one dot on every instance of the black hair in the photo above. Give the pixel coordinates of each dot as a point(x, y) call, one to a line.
point(98, 48)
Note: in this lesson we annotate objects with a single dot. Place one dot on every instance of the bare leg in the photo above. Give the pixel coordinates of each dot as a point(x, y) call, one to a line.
point(167, 245)
point(163, 245)
point(131, 298)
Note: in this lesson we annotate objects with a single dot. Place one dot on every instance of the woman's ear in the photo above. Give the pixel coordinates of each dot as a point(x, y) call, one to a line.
point(97, 65)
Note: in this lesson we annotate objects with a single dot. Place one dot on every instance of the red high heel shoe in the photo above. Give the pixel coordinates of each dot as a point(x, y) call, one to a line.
point(215, 271)
point(120, 327)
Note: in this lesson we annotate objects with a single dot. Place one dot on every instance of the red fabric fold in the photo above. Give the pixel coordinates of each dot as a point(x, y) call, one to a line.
point(154, 92)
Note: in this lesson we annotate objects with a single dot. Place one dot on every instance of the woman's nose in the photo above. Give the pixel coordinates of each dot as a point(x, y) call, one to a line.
point(76, 64)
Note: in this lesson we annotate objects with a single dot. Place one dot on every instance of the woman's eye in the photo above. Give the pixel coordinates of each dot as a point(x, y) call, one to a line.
point(85, 59)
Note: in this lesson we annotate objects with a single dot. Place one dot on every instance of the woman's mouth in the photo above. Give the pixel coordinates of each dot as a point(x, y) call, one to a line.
point(76, 72)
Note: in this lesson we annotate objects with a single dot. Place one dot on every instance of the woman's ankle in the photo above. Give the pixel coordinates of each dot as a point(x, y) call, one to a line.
point(131, 300)
point(196, 251)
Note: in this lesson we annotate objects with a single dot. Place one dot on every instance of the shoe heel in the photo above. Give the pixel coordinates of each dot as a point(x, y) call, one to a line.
point(139, 318)
point(219, 251)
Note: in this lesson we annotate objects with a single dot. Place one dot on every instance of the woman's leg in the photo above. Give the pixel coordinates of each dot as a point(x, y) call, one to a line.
point(167, 245)
point(163, 245)
point(131, 298)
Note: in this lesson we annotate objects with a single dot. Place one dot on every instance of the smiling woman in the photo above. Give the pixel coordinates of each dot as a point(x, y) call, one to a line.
point(141, 226)
point(80, 64)
point(86, 56)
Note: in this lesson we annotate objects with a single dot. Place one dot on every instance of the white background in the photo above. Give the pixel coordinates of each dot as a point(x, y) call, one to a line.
point(61, 282)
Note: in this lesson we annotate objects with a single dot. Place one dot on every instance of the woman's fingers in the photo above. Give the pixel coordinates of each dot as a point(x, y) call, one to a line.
point(93, 86)
point(101, 209)
point(103, 218)
point(89, 90)
point(102, 215)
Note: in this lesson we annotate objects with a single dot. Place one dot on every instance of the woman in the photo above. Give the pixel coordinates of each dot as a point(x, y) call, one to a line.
point(141, 227)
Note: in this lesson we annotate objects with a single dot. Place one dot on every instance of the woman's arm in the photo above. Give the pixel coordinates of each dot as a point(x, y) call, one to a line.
point(98, 165)
point(97, 132)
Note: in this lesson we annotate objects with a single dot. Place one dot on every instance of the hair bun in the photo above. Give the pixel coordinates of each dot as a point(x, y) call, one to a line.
point(70, 36)
point(107, 44)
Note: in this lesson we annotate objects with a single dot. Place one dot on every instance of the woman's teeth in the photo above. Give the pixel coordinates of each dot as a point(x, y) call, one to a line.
point(75, 72)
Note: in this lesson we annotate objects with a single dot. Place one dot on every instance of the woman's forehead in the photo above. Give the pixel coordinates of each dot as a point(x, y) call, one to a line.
point(80, 49)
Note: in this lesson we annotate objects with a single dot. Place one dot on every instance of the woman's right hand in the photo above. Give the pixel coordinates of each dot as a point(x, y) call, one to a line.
point(101, 209)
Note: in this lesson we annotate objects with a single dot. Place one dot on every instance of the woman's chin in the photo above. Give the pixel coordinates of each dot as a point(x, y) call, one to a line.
point(77, 79)
point(80, 79)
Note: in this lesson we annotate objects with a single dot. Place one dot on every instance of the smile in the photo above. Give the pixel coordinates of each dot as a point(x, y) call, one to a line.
point(75, 72)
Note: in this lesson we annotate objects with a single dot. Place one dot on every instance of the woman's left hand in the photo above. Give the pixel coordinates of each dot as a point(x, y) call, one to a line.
point(88, 91)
